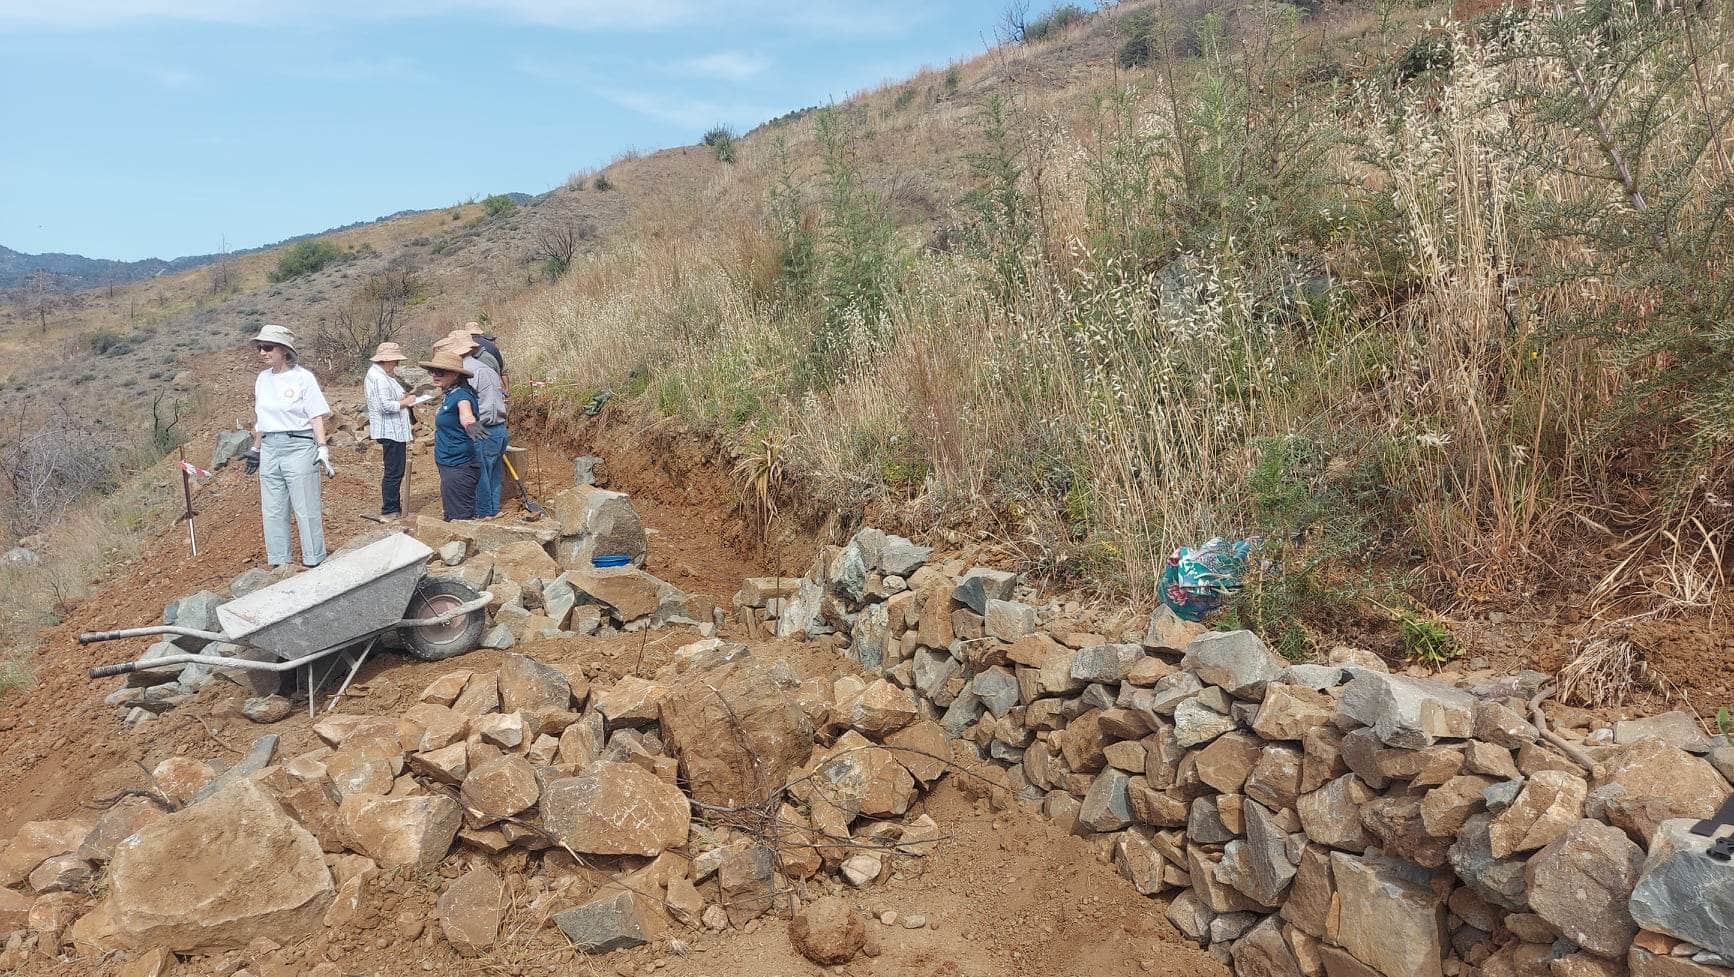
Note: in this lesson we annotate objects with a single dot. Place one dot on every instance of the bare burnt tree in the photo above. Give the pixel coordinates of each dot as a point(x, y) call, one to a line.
point(39, 296)
point(372, 316)
point(49, 469)
point(557, 240)
point(1014, 21)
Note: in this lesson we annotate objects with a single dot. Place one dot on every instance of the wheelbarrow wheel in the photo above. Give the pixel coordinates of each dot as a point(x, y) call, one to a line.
point(437, 642)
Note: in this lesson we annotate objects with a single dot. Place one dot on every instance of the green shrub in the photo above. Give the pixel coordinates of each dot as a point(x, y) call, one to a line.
point(721, 142)
point(105, 342)
point(1426, 641)
point(603, 182)
point(498, 205)
point(304, 258)
point(951, 80)
point(1050, 24)
point(904, 99)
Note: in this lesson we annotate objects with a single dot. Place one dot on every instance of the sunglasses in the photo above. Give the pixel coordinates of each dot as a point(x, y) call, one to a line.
point(266, 347)
point(439, 373)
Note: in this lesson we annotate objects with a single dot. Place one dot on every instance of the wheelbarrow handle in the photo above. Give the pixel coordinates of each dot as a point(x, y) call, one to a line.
point(90, 637)
point(124, 668)
point(456, 612)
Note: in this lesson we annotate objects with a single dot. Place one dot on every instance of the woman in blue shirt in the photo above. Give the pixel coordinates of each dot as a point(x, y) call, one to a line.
point(456, 431)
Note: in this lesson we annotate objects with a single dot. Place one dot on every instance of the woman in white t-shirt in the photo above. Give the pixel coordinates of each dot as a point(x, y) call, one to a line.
point(289, 435)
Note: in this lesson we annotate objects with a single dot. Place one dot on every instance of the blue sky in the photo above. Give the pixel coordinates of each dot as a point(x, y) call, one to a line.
point(156, 128)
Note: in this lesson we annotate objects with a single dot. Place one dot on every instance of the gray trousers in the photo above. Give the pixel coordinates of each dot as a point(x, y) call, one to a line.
point(289, 479)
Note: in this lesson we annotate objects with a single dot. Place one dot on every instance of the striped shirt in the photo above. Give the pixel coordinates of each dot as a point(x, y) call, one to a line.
point(386, 419)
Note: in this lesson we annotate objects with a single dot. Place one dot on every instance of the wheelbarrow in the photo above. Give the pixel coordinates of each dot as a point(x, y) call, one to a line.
point(349, 602)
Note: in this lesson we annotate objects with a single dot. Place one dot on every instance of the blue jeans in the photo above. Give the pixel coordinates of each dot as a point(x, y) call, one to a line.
point(488, 453)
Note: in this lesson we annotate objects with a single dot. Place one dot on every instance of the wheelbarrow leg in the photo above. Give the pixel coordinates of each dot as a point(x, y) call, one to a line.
point(353, 669)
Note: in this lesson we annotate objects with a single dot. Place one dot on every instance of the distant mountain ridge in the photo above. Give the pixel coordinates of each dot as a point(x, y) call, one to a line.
point(77, 271)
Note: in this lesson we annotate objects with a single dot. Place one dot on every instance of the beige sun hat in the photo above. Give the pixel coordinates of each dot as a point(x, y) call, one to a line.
point(273, 333)
point(388, 351)
point(459, 342)
point(474, 328)
point(445, 359)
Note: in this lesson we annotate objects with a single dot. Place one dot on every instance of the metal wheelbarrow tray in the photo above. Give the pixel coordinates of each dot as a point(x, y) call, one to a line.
point(342, 602)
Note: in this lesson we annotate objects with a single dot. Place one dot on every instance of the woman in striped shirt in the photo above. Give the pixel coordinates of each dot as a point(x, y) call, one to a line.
point(388, 423)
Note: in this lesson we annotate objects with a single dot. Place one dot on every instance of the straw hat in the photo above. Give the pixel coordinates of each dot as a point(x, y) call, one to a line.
point(271, 333)
point(458, 341)
point(388, 351)
point(475, 329)
point(445, 359)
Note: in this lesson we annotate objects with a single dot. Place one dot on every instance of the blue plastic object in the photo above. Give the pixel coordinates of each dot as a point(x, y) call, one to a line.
point(611, 561)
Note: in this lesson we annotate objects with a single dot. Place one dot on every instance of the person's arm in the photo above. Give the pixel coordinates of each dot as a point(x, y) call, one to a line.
point(382, 397)
point(467, 418)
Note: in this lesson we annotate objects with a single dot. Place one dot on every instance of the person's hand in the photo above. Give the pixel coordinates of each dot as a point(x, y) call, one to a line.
point(476, 432)
point(407, 400)
point(252, 460)
point(325, 459)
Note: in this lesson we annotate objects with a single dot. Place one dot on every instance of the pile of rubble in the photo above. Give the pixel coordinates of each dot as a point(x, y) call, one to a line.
point(543, 577)
point(719, 790)
point(1305, 819)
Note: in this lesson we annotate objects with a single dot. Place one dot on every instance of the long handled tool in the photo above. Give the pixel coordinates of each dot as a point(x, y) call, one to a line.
point(523, 491)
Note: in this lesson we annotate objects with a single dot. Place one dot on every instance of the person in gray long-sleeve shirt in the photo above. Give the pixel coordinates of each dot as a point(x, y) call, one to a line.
point(491, 408)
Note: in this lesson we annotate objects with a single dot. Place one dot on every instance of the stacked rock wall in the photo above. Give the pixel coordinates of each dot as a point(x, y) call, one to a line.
point(1304, 819)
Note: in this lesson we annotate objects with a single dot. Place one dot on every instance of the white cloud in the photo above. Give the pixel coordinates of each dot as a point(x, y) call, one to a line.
point(723, 65)
point(692, 114)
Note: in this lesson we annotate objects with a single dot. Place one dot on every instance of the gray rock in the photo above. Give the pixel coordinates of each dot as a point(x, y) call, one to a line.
point(160, 675)
point(229, 446)
point(1258, 867)
point(1581, 884)
point(1501, 726)
point(1674, 728)
point(870, 637)
point(19, 556)
point(1204, 822)
point(453, 553)
point(267, 709)
point(1009, 620)
point(1196, 723)
point(499, 638)
point(932, 669)
point(604, 925)
point(981, 585)
point(899, 557)
point(1232, 926)
point(847, 574)
point(1685, 893)
point(199, 612)
point(1407, 712)
point(1171, 690)
point(1499, 881)
point(1317, 677)
point(1237, 661)
point(1190, 915)
point(800, 614)
point(258, 757)
point(1263, 952)
point(1392, 920)
point(558, 599)
point(1105, 663)
point(1722, 758)
point(1106, 805)
point(1501, 795)
point(962, 713)
point(997, 689)
point(584, 469)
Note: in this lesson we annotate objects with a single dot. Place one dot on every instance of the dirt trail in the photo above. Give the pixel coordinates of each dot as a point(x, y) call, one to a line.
point(1005, 894)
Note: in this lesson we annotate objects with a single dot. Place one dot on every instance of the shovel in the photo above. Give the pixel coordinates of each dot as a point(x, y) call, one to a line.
point(523, 492)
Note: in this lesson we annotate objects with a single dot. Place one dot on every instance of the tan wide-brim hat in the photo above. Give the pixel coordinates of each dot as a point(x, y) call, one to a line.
point(388, 352)
point(459, 342)
point(474, 329)
point(445, 359)
point(272, 333)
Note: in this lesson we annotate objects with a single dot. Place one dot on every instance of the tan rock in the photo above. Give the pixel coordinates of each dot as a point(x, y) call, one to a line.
point(1446, 807)
point(1549, 803)
point(684, 902)
point(62, 873)
point(631, 701)
point(1275, 778)
point(1396, 825)
point(1081, 743)
point(527, 685)
point(35, 843)
point(498, 790)
point(1323, 758)
point(1127, 755)
point(218, 874)
point(1389, 922)
point(922, 749)
point(481, 695)
point(14, 910)
point(828, 931)
point(508, 731)
point(1489, 760)
point(769, 735)
point(179, 778)
point(1227, 761)
point(627, 592)
point(345, 729)
point(1331, 815)
point(402, 832)
point(860, 778)
point(470, 911)
point(523, 561)
point(1684, 785)
point(444, 691)
point(449, 765)
point(1289, 711)
point(878, 710)
point(1309, 901)
point(362, 770)
point(426, 726)
point(1582, 882)
point(154, 962)
point(616, 809)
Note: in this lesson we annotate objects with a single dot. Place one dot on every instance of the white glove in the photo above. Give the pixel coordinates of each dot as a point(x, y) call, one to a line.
point(325, 459)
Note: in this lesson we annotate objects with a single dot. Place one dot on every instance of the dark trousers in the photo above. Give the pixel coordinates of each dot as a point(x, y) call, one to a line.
point(390, 484)
point(458, 490)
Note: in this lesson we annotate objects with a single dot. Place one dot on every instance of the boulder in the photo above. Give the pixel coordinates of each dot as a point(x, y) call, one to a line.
point(613, 921)
point(37, 842)
point(62, 873)
point(1500, 881)
point(1397, 827)
point(1581, 883)
point(1331, 815)
point(219, 874)
point(402, 832)
point(1139, 862)
point(737, 732)
point(1259, 866)
point(922, 749)
point(179, 778)
point(981, 585)
point(900, 558)
point(1228, 760)
point(527, 685)
point(1289, 711)
point(628, 593)
point(1675, 728)
point(499, 789)
point(1683, 892)
point(616, 809)
point(1009, 621)
point(1312, 894)
point(1445, 808)
point(1106, 806)
point(1235, 660)
point(1167, 631)
point(1549, 803)
point(1666, 780)
point(877, 710)
point(126, 817)
point(631, 701)
point(1190, 915)
point(1107, 664)
point(1405, 712)
point(1196, 723)
point(595, 522)
point(1391, 920)
point(471, 909)
point(827, 931)
point(1262, 952)
point(859, 778)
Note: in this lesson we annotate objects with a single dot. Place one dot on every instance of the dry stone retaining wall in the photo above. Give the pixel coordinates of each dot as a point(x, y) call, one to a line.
point(1304, 819)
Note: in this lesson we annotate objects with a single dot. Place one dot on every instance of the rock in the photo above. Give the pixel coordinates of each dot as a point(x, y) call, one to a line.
point(402, 832)
point(684, 902)
point(1289, 711)
point(616, 809)
point(1312, 893)
point(997, 689)
point(126, 817)
point(827, 931)
point(1139, 862)
point(862, 870)
point(1581, 883)
point(1259, 866)
point(922, 749)
point(1549, 803)
point(499, 638)
point(362, 769)
point(628, 593)
point(448, 765)
point(1391, 921)
point(523, 561)
point(1503, 727)
point(847, 574)
point(981, 585)
point(1235, 660)
point(36, 842)
point(453, 553)
point(859, 778)
point(1190, 915)
point(1196, 723)
point(499, 789)
point(769, 734)
point(899, 557)
point(1105, 663)
point(1683, 892)
point(747, 879)
point(181, 778)
point(607, 923)
point(1446, 807)
point(1275, 779)
point(269, 709)
point(218, 874)
point(1106, 806)
point(1168, 632)
point(1396, 825)
point(1009, 621)
point(1677, 729)
point(1407, 712)
point(470, 911)
point(1262, 952)
point(878, 710)
point(595, 522)
point(62, 873)
point(527, 685)
point(1670, 782)
point(228, 446)
point(1228, 760)
point(1331, 815)
point(1500, 881)
point(631, 701)
point(508, 731)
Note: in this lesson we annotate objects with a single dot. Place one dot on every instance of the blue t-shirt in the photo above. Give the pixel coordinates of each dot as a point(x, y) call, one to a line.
point(452, 444)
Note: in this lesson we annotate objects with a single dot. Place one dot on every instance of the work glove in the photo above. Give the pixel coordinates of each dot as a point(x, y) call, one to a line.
point(325, 459)
point(476, 432)
point(252, 460)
